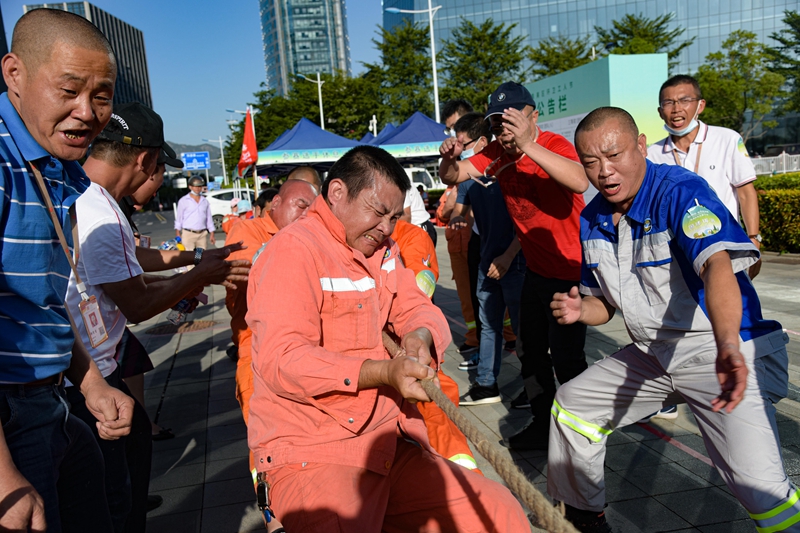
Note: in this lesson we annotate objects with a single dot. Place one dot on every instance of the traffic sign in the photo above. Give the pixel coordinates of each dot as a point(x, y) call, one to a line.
point(195, 160)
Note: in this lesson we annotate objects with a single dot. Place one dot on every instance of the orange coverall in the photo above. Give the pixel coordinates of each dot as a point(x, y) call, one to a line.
point(336, 456)
point(418, 254)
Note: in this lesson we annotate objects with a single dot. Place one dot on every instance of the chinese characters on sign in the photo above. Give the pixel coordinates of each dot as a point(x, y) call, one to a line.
point(549, 96)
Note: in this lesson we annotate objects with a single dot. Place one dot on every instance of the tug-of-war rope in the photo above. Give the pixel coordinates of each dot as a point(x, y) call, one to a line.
point(547, 517)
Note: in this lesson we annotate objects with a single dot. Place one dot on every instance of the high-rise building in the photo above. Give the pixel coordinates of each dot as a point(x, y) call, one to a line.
point(133, 80)
point(710, 22)
point(303, 37)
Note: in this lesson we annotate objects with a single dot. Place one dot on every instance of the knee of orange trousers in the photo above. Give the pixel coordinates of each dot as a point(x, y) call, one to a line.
point(244, 390)
point(443, 434)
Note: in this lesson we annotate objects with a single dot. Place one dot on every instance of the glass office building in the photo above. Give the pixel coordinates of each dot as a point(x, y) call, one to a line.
point(133, 80)
point(709, 21)
point(303, 37)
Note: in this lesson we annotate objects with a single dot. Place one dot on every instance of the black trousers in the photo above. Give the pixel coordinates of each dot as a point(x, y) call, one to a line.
point(127, 461)
point(431, 229)
point(545, 345)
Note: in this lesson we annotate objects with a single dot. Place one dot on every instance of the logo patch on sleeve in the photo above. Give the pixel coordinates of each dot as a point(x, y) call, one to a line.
point(742, 148)
point(426, 282)
point(387, 253)
point(700, 222)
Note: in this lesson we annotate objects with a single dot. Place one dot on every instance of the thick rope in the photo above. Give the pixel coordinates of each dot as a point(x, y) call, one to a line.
point(548, 517)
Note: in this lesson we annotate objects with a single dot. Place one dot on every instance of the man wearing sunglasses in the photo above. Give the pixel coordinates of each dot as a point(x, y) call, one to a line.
point(542, 184)
point(717, 154)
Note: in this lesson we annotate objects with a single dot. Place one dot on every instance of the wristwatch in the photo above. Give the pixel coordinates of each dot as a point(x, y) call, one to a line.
point(198, 256)
point(756, 237)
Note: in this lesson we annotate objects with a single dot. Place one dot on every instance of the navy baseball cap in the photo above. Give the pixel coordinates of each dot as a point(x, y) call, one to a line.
point(509, 94)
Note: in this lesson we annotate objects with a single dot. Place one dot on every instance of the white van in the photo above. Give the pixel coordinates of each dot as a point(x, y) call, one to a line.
point(220, 202)
point(420, 176)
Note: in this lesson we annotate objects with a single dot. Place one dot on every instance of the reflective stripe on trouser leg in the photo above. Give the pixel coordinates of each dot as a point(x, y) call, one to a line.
point(781, 517)
point(507, 322)
point(591, 431)
point(471, 325)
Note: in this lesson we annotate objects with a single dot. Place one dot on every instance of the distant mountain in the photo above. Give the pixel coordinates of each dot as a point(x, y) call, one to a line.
point(213, 153)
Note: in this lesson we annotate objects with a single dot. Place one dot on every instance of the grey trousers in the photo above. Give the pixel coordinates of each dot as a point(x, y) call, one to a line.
point(629, 385)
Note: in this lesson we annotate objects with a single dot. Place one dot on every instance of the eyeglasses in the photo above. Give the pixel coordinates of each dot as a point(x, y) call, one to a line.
point(470, 142)
point(684, 102)
point(450, 132)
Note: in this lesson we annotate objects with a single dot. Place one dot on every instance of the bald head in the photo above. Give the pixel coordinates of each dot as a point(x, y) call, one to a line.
point(292, 202)
point(307, 174)
point(39, 30)
point(601, 115)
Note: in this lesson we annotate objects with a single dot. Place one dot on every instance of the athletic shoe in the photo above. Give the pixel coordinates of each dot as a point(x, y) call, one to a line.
point(480, 395)
point(587, 521)
point(669, 413)
point(469, 364)
point(533, 437)
point(510, 346)
point(466, 349)
point(521, 401)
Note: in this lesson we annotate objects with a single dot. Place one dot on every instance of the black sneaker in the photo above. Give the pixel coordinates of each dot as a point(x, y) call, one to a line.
point(533, 437)
point(466, 349)
point(521, 401)
point(510, 346)
point(480, 395)
point(469, 364)
point(587, 521)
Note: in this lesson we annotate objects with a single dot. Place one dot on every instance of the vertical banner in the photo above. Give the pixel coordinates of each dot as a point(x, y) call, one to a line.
point(249, 150)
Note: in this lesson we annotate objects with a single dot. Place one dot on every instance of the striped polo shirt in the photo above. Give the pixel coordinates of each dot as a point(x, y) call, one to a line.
point(36, 339)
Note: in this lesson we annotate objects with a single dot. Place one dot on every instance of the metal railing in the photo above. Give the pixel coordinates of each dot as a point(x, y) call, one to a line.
point(777, 165)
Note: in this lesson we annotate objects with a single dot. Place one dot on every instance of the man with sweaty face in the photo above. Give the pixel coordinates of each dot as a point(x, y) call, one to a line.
point(332, 412)
point(660, 246)
point(60, 75)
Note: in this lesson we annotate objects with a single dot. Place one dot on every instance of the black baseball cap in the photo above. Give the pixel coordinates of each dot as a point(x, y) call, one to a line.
point(138, 125)
point(509, 94)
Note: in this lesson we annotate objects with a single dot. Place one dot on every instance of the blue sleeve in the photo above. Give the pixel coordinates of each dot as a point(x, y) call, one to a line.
point(463, 188)
point(702, 226)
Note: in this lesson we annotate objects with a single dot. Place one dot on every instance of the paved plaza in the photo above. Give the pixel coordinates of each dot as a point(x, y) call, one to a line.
point(658, 475)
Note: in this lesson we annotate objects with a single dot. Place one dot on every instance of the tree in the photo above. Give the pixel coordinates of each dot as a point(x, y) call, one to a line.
point(559, 54)
point(738, 88)
point(475, 60)
point(404, 73)
point(785, 58)
point(637, 34)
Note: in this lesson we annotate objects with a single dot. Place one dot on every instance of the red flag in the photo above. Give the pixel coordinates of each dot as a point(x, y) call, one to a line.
point(249, 150)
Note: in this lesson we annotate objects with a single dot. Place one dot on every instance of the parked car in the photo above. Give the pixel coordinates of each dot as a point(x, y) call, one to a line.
point(220, 202)
point(420, 176)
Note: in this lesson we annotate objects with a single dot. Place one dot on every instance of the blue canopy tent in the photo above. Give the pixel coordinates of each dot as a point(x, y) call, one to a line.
point(367, 138)
point(384, 133)
point(415, 140)
point(305, 144)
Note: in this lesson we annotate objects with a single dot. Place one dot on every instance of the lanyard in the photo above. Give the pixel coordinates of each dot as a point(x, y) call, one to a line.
point(696, 160)
point(60, 232)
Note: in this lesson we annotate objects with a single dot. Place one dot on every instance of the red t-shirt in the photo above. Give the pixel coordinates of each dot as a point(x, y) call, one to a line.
point(545, 214)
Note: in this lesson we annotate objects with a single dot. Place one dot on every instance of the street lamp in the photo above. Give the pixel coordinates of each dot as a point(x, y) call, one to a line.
point(430, 11)
point(222, 157)
point(319, 89)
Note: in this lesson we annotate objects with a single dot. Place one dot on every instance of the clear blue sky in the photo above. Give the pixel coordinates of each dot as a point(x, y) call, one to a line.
point(205, 55)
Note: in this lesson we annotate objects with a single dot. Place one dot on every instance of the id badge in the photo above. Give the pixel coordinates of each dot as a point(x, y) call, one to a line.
point(90, 312)
point(144, 241)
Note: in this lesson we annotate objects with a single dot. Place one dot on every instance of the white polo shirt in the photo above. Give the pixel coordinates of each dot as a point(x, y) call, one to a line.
point(724, 161)
point(419, 215)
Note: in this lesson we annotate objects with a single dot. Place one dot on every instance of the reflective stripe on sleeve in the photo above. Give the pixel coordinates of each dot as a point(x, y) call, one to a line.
point(591, 431)
point(781, 517)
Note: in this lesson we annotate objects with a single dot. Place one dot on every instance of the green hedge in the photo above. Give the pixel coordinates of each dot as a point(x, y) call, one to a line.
point(790, 180)
point(780, 220)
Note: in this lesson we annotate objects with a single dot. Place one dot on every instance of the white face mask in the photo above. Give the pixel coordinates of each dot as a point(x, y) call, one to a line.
point(688, 129)
point(466, 154)
point(195, 193)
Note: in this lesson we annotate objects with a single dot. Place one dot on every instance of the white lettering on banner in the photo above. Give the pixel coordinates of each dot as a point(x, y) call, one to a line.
point(347, 284)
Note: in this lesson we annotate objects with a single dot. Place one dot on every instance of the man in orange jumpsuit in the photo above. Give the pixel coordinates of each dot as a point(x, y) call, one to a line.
point(330, 416)
point(419, 255)
point(290, 204)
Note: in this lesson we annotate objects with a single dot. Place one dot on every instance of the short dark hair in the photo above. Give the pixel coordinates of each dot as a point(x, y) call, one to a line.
point(119, 154)
point(266, 196)
point(474, 125)
point(601, 115)
point(459, 105)
point(680, 79)
point(359, 166)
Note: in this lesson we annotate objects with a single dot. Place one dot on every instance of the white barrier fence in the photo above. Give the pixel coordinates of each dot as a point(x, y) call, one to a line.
point(777, 165)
